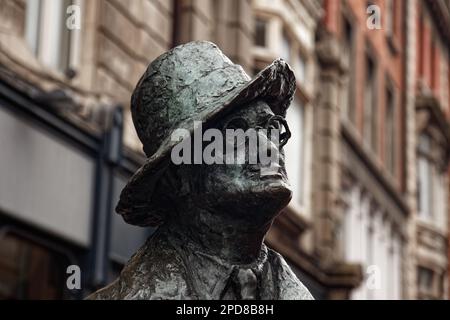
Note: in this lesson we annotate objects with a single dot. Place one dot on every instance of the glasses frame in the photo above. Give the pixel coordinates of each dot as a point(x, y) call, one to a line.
point(284, 136)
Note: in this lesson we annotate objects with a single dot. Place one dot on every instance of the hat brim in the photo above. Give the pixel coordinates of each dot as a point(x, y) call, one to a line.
point(275, 85)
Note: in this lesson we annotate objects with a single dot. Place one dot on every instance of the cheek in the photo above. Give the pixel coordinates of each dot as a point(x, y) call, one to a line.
point(222, 178)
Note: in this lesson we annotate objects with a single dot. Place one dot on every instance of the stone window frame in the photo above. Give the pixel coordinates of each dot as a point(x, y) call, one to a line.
point(434, 184)
point(301, 197)
point(391, 148)
point(431, 123)
point(437, 286)
point(265, 22)
point(56, 47)
point(371, 115)
point(277, 27)
point(373, 221)
point(348, 19)
point(424, 163)
point(304, 101)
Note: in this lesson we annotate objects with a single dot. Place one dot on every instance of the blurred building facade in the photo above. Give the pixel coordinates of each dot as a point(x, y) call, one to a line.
point(288, 29)
point(368, 158)
point(429, 90)
point(362, 207)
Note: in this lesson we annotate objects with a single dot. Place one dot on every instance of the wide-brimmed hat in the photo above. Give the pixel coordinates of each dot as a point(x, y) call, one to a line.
point(191, 82)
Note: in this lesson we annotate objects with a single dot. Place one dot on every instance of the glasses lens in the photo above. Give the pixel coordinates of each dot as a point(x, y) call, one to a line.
point(279, 123)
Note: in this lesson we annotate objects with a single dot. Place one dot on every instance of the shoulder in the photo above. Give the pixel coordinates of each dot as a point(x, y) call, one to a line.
point(154, 272)
point(289, 286)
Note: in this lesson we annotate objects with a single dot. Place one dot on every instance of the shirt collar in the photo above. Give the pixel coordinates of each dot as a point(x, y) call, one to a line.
point(210, 275)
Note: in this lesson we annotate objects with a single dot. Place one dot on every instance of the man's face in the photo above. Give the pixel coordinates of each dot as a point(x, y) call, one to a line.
point(251, 191)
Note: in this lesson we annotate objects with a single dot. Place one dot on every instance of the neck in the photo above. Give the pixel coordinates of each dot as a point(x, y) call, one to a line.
point(213, 233)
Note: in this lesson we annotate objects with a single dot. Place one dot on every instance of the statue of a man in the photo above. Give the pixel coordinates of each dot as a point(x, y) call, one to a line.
point(211, 218)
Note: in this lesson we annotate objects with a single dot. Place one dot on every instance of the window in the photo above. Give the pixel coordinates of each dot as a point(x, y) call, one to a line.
point(390, 147)
point(372, 241)
point(370, 108)
point(425, 178)
point(285, 48)
point(432, 184)
point(347, 104)
point(444, 81)
point(433, 64)
point(370, 247)
point(31, 271)
point(394, 267)
point(425, 280)
point(294, 151)
point(392, 17)
point(47, 35)
point(430, 282)
point(420, 45)
point(32, 24)
point(260, 32)
point(300, 68)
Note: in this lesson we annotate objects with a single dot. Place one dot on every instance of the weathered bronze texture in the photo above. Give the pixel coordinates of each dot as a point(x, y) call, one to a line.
point(212, 219)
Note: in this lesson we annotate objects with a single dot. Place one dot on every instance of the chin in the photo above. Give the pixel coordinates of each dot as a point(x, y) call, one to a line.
point(256, 203)
point(279, 191)
point(267, 202)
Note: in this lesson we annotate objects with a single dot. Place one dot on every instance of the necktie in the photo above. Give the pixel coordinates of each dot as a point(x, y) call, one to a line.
point(244, 283)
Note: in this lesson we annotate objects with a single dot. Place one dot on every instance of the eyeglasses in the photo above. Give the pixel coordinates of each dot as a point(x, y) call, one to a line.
point(275, 122)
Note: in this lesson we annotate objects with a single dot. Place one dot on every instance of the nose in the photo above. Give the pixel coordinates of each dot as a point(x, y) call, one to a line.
point(268, 151)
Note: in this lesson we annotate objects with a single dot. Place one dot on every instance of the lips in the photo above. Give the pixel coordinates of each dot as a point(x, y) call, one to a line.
point(271, 176)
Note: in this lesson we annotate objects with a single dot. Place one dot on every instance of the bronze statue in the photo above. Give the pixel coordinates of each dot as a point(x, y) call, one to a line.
point(211, 218)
